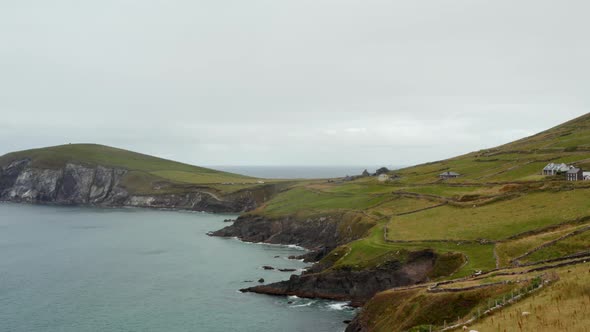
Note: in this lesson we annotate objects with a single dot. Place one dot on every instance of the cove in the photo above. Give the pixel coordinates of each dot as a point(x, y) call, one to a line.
point(85, 269)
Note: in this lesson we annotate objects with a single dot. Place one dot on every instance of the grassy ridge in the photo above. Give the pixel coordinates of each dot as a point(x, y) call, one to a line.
point(563, 306)
point(146, 172)
point(501, 211)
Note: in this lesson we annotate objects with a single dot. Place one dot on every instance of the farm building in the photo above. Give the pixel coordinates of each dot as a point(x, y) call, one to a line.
point(383, 177)
point(554, 169)
point(575, 174)
point(586, 175)
point(448, 175)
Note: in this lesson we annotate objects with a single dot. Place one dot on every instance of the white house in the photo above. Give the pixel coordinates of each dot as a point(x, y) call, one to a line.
point(554, 169)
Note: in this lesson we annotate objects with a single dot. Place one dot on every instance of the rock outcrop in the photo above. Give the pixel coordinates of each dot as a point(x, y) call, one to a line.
point(76, 184)
point(308, 233)
point(355, 286)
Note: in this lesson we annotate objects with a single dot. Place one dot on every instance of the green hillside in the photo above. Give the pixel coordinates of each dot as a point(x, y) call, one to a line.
point(501, 212)
point(144, 170)
point(521, 160)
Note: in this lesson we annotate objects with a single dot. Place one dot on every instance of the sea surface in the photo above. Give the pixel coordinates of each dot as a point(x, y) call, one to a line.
point(300, 172)
point(83, 269)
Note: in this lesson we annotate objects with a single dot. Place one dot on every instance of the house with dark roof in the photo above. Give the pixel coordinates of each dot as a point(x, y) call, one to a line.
point(574, 174)
point(448, 175)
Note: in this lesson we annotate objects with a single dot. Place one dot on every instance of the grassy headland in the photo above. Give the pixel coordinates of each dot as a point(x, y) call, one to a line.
point(146, 174)
point(500, 213)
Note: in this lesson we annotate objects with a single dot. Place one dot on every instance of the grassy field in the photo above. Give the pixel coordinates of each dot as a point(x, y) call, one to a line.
point(508, 250)
point(494, 221)
point(374, 250)
point(500, 209)
point(568, 246)
point(517, 300)
point(301, 199)
point(563, 306)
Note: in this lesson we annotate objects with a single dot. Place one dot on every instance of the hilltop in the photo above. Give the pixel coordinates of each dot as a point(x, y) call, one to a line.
point(415, 228)
point(101, 175)
point(521, 160)
point(57, 157)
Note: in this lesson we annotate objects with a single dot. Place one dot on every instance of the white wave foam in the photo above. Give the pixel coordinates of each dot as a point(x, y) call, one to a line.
point(338, 306)
point(290, 246)
point(303, 305)
point(293, 246)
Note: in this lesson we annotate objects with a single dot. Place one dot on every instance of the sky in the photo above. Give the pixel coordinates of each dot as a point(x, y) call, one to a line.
point(290, 82)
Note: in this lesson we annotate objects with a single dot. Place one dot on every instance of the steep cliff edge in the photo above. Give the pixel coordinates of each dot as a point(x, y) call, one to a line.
point(79, 184)
point(309, 233)
point(355, 286)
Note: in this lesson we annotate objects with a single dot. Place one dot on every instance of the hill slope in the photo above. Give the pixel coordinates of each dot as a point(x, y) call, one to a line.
point(521, 160)
point(102, 175)
point(501, 213)
point(56, 157)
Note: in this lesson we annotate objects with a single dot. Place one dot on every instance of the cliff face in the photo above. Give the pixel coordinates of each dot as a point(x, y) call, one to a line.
point(101, 186)
point(355, 286)
point(310, 233)
point(324, 234)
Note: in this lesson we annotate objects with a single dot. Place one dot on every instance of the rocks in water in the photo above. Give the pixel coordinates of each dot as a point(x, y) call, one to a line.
point(287, 270)
point(347, 321)
point(277, 256)
point(266, 267)
point(355, 286)
point(314, 232)
point(248, 280)
point(316, 255)
point(229, 220)
point(290, 302)
point(261, 280)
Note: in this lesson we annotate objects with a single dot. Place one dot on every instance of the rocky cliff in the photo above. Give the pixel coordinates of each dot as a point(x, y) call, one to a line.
point(355, 286)
point(322, 234)
point(311, 233)
point(77, 184)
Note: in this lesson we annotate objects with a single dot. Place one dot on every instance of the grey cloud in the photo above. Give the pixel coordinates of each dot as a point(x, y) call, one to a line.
point(290, 82)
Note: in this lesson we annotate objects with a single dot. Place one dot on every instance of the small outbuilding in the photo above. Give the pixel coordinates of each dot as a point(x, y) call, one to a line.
point(383, 178)
point(575, 174)
point(448, 175)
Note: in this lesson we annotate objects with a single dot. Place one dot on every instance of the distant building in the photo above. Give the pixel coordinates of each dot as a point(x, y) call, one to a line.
point(448, 175)
point(575, 174)
point(382, 170)
point(586, 175)
point(383, 178)
point(555, 169)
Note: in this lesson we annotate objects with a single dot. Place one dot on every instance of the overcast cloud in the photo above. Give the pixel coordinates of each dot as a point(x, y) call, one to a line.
point(290, 82)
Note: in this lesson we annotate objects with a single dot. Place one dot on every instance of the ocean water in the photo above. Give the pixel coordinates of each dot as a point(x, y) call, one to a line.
point(82, 269)
point(299, 172)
